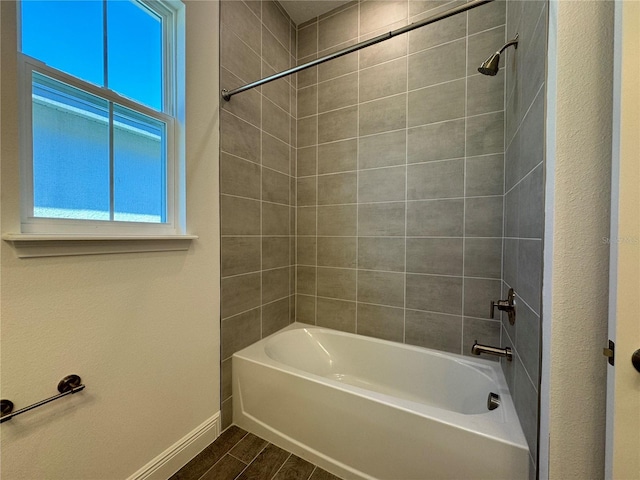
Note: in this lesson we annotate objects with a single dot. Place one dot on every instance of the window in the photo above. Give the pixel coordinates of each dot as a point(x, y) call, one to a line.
point(101, 128)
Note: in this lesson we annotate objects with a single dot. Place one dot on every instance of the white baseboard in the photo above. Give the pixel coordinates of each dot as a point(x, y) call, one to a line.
point(179, 454)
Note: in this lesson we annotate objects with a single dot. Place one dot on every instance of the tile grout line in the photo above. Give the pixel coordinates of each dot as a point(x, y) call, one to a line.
point(464, 176)
point(246, 160)
point(398, 272)
point(435, 237)
point(332, 13)
point(212, 466)
point(293, 255)
point(261, 172)
point(252, 460)
point(358, 13)
point(367, 135)
point(315, 467)
point(406, 187)
point(240, 460)
point(224, 455)
point(437, 199)
point(292, 203)
point(504, 193)
point(519, 357)
point(251, 12)
point(524, 115)
point(382, 270)
point(519, 182)
point(373, 169)
point(387, 97)
point(280, 468)
point(407, 54)
point(397, 307)
point(317, 136)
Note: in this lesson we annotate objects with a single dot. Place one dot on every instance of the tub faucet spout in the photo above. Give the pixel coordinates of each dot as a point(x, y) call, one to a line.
point(477, 349)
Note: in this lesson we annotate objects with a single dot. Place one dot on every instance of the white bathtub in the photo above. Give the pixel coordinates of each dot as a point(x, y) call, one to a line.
point(365, 408)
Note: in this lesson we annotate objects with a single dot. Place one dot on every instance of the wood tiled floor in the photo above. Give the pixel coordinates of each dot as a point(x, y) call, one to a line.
point(237, 454)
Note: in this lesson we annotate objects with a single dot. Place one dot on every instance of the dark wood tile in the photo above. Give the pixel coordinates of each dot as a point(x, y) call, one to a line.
point(266, 464)
point(226, 469)
point(210, 455)
point(247, 449)
point(295, 468)
point(320, 474)
point(233, 456)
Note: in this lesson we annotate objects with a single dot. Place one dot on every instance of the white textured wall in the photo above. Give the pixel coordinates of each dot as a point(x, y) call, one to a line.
point(577, 260)
point(141, 329)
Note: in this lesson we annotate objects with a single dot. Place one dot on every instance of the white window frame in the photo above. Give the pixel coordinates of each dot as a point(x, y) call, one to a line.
point(172, 14)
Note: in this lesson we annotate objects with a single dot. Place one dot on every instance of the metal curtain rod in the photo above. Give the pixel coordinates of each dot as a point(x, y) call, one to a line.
point(226, 95)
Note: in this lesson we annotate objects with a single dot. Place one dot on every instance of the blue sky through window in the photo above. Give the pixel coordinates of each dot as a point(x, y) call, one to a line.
point(68, 35)
point(65, 35)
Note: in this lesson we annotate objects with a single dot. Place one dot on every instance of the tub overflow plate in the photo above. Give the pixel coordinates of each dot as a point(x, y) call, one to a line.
point(493, 401)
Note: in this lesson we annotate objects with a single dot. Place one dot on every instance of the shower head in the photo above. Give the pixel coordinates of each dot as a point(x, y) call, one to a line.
point(491, 65)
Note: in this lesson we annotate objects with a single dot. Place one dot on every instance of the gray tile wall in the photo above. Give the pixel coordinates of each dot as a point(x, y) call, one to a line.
point(524, 206)
point(377, 186)
point(400, 175)
point(257, 179)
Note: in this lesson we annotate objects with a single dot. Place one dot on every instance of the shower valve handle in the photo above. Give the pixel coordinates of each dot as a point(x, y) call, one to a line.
point(507, 305)
point(501, 304)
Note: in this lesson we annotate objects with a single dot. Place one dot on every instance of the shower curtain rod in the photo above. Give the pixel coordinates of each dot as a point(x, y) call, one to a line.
point(226, 95)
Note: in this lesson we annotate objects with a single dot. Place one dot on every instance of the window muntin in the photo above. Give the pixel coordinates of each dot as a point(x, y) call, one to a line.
point(134, 52)
point(135, 184)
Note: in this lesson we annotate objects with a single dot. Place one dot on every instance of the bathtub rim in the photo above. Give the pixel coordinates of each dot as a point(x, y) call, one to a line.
point(508, 431)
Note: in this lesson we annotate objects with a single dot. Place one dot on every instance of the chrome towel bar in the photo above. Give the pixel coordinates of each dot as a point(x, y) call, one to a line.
point(68, 385)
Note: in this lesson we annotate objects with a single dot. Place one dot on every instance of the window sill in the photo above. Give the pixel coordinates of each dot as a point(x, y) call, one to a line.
point(33, 245)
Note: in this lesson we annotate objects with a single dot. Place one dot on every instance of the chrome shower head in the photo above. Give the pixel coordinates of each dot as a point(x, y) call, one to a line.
point(492, 64)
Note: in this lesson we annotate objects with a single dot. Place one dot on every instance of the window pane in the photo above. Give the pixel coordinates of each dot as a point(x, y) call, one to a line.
point(135, 52)
point(66, 35)
point(70, 152)
point(139, 167)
